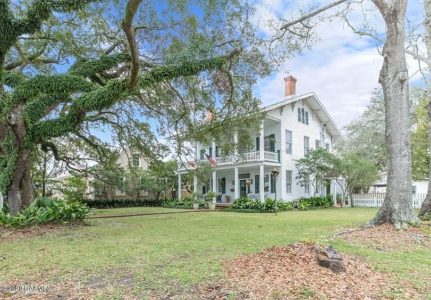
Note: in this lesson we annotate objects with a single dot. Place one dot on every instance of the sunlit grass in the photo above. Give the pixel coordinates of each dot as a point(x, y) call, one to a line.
point(177, 251)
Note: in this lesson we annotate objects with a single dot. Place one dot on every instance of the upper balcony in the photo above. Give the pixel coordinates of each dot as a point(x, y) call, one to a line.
point(253, 156)
point(266, 148)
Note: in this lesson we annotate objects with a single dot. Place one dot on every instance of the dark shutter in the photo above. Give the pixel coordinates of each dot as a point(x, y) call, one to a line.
point(257, 143)
point(256, 183)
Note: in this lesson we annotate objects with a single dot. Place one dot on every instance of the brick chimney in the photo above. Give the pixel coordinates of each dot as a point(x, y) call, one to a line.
point(289, 86)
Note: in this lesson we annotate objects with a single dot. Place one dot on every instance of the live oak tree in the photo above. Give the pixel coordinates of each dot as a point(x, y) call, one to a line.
point(397, 208)
point(425, 212)
point(37, 109)
point(72, 69)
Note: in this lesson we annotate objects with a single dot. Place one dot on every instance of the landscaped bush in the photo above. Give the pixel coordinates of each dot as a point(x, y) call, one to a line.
point(314, 202)
point(46, 210)
point(269, 205)
point(246, 203)
point(116, 203)
point(183, 203)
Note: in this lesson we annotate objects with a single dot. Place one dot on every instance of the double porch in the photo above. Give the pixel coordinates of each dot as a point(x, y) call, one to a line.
point(258, 180)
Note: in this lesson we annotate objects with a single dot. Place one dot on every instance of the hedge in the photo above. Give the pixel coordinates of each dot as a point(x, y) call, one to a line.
point(116, 203)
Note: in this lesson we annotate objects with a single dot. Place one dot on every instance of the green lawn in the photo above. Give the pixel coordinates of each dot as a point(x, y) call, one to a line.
point(176, 251)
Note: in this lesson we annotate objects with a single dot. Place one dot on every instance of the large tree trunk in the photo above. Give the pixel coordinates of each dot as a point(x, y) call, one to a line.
point(425, 212)
point(397, 208)
point(20, 192)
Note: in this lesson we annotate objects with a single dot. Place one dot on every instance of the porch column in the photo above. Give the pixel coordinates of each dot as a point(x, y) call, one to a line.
point(236, 180)
point(261, 183)
point(195, 183)
point(179, 186)
point(214, 187)
point(262, 142)
point(281, 193)
point(213, 145)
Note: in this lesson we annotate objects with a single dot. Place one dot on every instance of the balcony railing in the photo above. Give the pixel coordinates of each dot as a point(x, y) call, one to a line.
point(246, 157)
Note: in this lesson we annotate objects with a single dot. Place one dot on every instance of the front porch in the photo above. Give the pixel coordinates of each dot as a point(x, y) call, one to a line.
point(257, 181)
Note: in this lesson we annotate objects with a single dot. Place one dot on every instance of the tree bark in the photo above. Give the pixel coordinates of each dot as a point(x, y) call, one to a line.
point(425, 212)
point(397, 207)
point(20, 192)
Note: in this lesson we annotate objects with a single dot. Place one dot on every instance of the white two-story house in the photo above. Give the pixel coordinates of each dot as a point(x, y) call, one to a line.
point(291, 128)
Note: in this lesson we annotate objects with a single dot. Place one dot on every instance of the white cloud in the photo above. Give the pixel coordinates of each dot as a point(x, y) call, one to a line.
point(341, 68)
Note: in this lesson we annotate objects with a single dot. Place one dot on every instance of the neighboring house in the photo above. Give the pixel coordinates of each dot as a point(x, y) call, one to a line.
point(291, 128)
point(126, 160)
point(418, 186)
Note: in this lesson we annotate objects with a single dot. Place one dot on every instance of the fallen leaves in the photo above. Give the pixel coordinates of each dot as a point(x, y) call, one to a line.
point(386, 237)
point(293, 272)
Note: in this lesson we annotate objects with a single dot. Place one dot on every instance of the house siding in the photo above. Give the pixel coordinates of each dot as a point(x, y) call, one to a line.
point(278, 120)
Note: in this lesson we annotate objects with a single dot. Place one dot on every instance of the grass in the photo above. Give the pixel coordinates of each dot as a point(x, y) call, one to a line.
point(174, 252)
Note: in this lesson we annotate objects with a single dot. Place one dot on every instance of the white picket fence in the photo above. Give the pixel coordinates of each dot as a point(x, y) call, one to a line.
point(376, 200)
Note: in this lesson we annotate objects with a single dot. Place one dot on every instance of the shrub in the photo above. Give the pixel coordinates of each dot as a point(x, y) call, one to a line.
point(269, 205)
point(246, 203)
point(183, 203)
point(314, 202)
point(46, 210)
point(116, 203)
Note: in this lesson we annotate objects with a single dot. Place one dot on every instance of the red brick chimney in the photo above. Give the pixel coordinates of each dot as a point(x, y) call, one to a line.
point(289, 86)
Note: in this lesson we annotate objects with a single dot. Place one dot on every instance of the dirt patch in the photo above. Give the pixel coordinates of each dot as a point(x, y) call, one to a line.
point(386, 237)
point(292, 272)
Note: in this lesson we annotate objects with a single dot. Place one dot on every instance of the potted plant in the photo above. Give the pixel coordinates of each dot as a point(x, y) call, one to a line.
point(196, 200)
point(210, 200)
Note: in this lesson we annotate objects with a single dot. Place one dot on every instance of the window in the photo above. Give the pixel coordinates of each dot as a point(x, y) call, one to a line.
point(266, 183)
point(288, 181)
point(256, 183)
point(288, 134)
point(273, 182)
point(210, 151)
point(302, 115)
point(202, 154)
point(306, 145)
point(327, 147)
point(244, 176)
point(135, 160)
point(307, 184)
point(269, 143)
point(217, 154)
point(317, 144)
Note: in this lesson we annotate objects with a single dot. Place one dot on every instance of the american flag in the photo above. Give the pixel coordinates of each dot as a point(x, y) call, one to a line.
point(212, 161)
point(192, 164)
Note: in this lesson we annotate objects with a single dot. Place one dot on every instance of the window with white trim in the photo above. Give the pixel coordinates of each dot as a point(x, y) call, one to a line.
point(135, 160)
point(307, 184)
point(288, 136)
point(306, 145)
point(288, 181)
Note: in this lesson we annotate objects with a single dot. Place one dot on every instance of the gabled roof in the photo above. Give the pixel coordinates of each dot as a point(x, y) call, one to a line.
point(317, 108)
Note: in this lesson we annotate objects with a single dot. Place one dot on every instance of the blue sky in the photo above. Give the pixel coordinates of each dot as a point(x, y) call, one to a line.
point(342, 68)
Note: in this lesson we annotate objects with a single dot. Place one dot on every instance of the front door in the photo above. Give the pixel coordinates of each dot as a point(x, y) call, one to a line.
point(244, 190)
